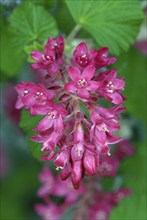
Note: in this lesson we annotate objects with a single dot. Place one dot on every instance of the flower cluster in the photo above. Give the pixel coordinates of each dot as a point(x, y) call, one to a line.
point(74, 121)
point(90, 201)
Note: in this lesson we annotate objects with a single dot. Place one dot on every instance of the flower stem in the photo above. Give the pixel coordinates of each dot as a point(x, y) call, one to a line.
point(73, 33)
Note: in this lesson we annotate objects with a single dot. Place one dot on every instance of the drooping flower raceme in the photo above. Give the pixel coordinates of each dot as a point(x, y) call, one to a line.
point(73, 118)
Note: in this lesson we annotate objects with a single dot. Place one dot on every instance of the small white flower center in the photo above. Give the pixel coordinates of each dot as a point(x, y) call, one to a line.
point(25, 92)
point(47, 58)
point(83, 59)
point(51, 115)
point(111, 87)
point(39, 95)
point(82, 82)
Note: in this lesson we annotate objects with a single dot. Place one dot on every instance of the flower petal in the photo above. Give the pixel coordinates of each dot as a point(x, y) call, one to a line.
point(119, 83)
point(36, 66)
point(88, 73)
point(37, 55)
point(74, 73)
point(93, 85)
point(58, 125)
point(116, 98)
point(45, 124)
point(83, 93)
point(70, 87)
point(80, 49)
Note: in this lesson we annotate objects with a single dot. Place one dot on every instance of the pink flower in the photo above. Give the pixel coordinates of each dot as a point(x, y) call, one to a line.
point(51, 58)
point(57, 45)
point(108, 166)
point(82, 84)
point(83, 57)
point(111, 86)
point(124, 149)
point(102, 59)
point(118, 195)
point(63, 157)
point(47, 180)
point(49, 140)
point(105, 122)
point(75, 131)
point(53, 185)
point(33, 97)
point(100, 211)
point(53, 119)
point(49, 211)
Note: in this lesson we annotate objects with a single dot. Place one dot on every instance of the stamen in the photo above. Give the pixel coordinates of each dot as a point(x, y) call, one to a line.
point(51, 115)
point(82, 82)
point(26, 92)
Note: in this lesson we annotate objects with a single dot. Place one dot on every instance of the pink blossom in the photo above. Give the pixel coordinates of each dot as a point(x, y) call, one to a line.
point(62, 157)
point(53, 119)
point(102, 59)
point(111, 86)
point(75, 131)
point(49, 211)
point(117, 196)
point(47, 180)
point(52, 185)
point(84, 57)
point(108, 166)
point(82, 84)
point(51, 58)
point(105, 122)
point(100, 211)
point(33, 97)
point(57, 45)
point(124, 149)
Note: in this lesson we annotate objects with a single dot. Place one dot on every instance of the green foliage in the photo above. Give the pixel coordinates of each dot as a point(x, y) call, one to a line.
point(61, 15)
point(10, 62)
point(18, 191)
point(31, 23)
point(133, 66)
point(46, 3)
point(134, 172)
point(28, 122)
point(112, 23)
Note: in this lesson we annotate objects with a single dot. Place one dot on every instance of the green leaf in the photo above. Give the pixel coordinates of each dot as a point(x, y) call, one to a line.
point(28, 122)
point(62, 13)
point(10, 62)
point(31, 23)
point(84, 110)
point(132, 65)
point(112, 23)
point(29, 48)
point(47, 4)
point(134, 207)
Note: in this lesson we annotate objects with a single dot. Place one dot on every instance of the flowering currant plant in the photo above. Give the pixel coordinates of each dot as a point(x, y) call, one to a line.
point(76, 131)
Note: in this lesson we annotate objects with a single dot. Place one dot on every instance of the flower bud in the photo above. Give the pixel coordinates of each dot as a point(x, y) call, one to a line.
point(76, 173)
